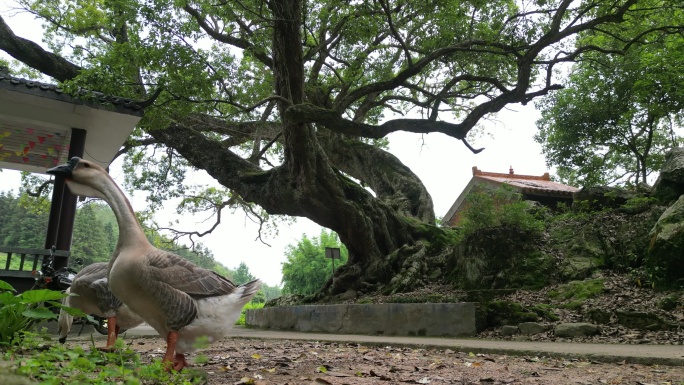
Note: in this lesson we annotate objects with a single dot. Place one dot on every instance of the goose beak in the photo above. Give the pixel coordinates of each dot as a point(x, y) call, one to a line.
point(65, 169)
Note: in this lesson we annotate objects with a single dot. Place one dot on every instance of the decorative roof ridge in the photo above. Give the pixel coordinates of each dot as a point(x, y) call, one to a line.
point(87, 97)
point(511, 175)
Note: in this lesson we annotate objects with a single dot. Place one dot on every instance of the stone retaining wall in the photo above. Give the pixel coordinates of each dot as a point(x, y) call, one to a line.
point(404, 319)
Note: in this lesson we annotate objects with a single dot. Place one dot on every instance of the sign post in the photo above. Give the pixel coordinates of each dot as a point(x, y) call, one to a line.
point(332, 253)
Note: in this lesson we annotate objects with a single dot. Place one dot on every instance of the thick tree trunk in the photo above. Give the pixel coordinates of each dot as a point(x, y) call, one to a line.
point(390, 180)
point(369, 227)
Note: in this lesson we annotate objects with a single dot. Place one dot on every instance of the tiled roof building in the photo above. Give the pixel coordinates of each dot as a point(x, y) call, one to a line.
point(535, 188)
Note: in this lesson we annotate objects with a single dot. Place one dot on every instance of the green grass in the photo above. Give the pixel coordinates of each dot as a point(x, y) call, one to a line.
point(47, 362)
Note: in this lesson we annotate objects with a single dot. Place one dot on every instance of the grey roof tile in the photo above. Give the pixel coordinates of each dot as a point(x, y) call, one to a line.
point(93, 99)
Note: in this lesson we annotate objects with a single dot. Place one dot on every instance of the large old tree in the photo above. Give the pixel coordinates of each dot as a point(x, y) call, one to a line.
point(283, 102)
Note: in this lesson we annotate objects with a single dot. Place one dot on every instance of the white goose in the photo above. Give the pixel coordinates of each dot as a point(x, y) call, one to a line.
point(94, 297)
point(180, 300)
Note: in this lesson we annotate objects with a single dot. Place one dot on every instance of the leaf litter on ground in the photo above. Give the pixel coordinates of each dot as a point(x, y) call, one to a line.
point(280, 362)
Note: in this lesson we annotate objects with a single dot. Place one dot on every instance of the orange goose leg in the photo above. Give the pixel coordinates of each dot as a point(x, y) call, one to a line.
point(112, 333)
point(170, 362)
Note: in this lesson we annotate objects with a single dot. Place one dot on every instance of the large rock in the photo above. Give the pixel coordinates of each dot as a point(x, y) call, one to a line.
point(670, 183)
point(603, 196)
point(612, 238)
point(575, 329)
point(643, 321)
point(673, 167)
point(665, 259)
point(502, 257)
point(506, 313)
point(529, 328)
point(667, 191)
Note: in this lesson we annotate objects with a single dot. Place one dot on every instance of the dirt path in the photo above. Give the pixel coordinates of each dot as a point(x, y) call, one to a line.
point(274, 361)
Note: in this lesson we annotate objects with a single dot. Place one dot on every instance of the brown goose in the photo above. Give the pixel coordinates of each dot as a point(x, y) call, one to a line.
point(180, 300)
point(94, 297)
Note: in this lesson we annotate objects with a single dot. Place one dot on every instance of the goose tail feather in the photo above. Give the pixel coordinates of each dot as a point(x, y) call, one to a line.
point(248, 290)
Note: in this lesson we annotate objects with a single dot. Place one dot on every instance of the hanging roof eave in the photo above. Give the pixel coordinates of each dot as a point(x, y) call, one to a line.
point(32, 111)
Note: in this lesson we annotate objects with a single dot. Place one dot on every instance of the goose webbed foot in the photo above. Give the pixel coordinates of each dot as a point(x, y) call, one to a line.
point(106, 349)
point(179, 362)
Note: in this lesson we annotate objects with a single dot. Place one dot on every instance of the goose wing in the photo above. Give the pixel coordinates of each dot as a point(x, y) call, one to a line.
point(175, 283)
point(90, 274)
point(91, 282)
point(106, 300)
point(187, 277)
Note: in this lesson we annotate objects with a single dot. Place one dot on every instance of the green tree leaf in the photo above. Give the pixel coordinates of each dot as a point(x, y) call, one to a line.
point(307, 269)
point(42, 295)
point(6, 286)
point(39, 313)
point(619, 114)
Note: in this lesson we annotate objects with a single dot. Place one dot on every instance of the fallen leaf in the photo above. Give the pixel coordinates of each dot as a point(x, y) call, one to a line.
point(380, 376)
point(332, 373)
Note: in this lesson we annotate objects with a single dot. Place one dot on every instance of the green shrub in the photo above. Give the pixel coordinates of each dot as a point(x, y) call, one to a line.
point(487, 207)
point(19, 312)
point(250, 305)
point(639, 204)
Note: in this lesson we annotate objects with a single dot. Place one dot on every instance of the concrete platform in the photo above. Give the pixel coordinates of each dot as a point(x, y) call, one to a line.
point(390, 319)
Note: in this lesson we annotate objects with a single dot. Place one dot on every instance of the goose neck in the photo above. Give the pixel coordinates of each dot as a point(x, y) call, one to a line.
point(130, 231)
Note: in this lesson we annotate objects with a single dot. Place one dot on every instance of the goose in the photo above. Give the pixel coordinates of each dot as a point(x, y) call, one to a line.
point(92, 295)
point(181, 301)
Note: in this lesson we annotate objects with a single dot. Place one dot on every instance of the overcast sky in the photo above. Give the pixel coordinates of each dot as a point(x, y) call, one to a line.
point(443, 163)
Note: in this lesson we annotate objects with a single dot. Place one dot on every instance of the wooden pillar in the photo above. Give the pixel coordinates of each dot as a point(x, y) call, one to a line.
point(55, 211)
point(65, 229)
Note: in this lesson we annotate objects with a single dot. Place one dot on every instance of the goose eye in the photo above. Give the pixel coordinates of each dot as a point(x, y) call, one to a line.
point(86, 165)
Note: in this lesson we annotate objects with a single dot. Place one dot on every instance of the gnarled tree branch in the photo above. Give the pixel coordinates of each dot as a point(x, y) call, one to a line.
point(35, 56)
